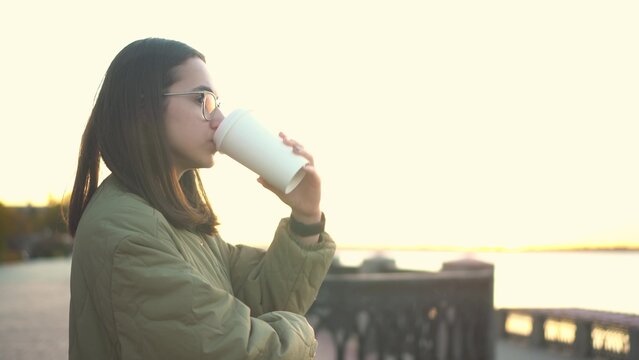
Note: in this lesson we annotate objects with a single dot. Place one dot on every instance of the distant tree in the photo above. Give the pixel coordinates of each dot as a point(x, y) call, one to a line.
point(39, 231)
point(11, 223)
point(4, 229)
point(51, 218)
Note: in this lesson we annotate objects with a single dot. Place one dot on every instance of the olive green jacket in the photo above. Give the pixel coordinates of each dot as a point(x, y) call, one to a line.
point(143, 289)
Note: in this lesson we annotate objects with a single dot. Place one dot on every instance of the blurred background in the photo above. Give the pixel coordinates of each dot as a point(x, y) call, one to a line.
point(497, 131)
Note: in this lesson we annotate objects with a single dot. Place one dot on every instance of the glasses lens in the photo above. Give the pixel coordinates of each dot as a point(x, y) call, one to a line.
point(209, 106)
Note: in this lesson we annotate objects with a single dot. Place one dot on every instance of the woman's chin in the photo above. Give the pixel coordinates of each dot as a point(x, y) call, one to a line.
point(209, 163)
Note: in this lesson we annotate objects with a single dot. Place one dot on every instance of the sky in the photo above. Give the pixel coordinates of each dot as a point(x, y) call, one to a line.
point(447, 124)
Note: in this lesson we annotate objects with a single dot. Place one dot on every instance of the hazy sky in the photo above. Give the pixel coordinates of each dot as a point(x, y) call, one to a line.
point(446, 123)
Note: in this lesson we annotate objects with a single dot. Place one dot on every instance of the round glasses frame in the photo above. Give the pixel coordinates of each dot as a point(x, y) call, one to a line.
point(206, 102)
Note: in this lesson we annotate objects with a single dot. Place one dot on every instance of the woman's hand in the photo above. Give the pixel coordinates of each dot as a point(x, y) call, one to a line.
point(304, 200)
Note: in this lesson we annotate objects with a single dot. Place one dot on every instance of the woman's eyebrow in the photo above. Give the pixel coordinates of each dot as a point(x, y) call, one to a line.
point(202, 87)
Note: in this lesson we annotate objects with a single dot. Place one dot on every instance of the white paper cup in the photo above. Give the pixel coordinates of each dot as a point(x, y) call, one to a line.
point(248, 142)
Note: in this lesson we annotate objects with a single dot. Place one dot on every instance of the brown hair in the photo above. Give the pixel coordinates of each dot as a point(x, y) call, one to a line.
point(126, 128)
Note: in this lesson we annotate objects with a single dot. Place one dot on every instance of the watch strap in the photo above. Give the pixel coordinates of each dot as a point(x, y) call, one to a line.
point(302, 229)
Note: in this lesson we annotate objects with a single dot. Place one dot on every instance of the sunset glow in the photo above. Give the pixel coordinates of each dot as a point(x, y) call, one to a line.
point(480, 126)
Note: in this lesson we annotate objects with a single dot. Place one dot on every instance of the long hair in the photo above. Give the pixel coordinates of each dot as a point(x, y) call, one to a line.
point(127, 129)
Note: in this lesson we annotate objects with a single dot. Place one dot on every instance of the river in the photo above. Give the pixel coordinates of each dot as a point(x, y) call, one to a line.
point(598, 280)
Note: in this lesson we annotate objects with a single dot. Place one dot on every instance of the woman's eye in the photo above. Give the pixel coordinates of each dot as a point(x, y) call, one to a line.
point(200, 98)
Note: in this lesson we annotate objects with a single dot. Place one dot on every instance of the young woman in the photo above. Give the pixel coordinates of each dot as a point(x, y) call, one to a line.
point(151, 277)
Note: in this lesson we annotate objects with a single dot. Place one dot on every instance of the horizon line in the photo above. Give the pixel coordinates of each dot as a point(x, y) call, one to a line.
point(514, 249)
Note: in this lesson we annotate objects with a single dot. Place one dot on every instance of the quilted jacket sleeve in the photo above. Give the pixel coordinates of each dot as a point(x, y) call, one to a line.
point(164, 310)
point(286, 277)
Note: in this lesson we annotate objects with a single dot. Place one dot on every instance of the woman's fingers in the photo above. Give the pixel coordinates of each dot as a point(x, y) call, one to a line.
point(297, 148)
point(305, 154)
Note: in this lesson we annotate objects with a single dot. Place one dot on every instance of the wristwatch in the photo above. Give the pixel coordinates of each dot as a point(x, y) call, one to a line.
point(302, 229)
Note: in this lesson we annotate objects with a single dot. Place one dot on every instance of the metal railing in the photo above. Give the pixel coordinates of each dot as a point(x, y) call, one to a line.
point(390, 314)
point(584, 333)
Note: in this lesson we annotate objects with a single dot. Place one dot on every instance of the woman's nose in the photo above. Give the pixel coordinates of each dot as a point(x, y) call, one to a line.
point(218, 117)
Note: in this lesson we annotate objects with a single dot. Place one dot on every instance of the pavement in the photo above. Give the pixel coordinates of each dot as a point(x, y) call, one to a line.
point(34, 308)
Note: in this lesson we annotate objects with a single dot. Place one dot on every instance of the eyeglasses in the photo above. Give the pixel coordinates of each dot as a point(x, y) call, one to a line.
point(209, 101)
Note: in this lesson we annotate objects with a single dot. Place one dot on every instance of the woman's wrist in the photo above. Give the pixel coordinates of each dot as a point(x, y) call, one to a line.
point(307, 218)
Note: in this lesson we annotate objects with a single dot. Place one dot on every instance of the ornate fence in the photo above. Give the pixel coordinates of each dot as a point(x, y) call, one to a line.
point(447, 315)
point(585, 333)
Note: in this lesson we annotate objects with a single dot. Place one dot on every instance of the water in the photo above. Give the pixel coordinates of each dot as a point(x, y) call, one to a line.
point(590, 280)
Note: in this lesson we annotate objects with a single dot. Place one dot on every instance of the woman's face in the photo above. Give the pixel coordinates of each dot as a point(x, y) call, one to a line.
point(190, 136)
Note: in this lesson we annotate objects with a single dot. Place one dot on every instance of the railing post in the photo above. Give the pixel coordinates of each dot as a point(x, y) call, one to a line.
point(538, 334)
point(583, 338)
point(634, 343)
point(486, 299)
point(467, 265)
point(501, 316)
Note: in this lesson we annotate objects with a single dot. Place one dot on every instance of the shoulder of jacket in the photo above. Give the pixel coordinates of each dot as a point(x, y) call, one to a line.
point(117, 214)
